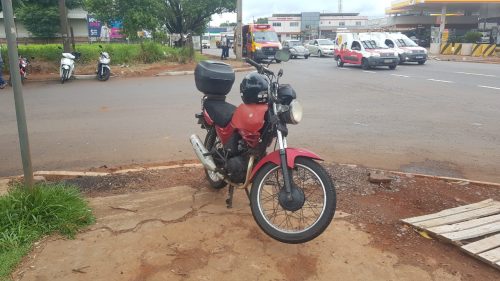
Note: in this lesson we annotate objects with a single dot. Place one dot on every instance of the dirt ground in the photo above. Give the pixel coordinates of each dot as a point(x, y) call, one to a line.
point(169, 225)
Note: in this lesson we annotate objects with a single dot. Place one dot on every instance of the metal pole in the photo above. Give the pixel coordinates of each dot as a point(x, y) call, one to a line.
point(63, 16)
point(22, 127)
point(443, 24)
point(238, 40)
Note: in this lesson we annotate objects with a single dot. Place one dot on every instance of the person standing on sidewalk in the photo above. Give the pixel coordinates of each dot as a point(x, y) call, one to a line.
point(2, 82)
point(223, 44)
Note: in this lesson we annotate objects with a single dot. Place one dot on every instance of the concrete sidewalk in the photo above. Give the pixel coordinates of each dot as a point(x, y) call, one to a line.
point(184, 233)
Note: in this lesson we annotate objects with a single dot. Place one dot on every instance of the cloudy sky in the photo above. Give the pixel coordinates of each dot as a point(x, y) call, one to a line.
point(265, 8)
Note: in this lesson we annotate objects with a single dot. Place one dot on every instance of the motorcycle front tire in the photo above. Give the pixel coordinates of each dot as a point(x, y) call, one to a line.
point(64, 76)
point(317, 228)
point(104, 75)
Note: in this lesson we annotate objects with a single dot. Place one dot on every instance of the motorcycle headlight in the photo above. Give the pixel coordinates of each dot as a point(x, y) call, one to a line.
point(294, 114)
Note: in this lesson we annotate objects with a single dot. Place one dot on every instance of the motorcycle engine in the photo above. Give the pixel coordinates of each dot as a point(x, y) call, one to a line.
point(236, 165)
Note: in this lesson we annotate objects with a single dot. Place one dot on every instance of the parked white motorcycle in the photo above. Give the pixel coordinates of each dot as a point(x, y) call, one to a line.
point(103, 69)
point(68, 65)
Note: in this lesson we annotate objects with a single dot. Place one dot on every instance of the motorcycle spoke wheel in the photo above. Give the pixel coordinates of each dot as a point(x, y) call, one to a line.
point(294, 226)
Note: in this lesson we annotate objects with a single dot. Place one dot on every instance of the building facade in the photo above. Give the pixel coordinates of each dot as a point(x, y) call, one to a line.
point(311, 25)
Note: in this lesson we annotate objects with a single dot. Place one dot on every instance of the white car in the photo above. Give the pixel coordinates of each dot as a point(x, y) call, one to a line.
point(321, 47)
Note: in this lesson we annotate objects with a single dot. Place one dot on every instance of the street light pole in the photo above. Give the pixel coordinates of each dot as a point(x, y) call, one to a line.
point(15, 77)
point(239, 45)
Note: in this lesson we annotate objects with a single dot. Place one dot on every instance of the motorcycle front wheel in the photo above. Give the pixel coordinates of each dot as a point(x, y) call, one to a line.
point(64, 76)
point(104, 75)
point(304, 218)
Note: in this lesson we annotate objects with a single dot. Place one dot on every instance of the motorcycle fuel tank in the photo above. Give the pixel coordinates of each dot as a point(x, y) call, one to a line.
point(249, 119)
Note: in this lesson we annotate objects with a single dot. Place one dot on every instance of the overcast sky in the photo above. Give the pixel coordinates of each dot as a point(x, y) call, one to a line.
point(265, 8)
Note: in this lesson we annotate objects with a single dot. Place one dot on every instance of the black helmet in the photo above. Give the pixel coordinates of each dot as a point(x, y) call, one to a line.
point(254, 88)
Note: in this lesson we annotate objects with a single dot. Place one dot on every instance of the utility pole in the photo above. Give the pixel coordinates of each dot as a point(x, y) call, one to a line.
point(340, 6)
point(22, 127)
point(239, 19)
point(63, 16)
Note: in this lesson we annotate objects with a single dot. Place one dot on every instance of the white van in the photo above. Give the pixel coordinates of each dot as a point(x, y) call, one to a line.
point(406, 48)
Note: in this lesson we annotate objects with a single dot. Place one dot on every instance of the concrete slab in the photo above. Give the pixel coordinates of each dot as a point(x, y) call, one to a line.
point(129, 211)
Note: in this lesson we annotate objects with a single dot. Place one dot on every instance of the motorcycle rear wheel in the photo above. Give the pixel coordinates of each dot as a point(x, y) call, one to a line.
point(211, 141)
point(64, 76)
point(293, 227)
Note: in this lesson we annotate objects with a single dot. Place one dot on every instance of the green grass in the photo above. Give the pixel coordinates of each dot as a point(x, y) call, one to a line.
point(26, 216)
point(146, 52)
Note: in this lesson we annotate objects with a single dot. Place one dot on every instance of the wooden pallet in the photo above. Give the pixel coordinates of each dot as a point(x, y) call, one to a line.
point(475, 228)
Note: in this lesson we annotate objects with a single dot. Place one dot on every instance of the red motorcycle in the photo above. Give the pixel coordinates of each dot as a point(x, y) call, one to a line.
point(24, 69)
point(292, 197)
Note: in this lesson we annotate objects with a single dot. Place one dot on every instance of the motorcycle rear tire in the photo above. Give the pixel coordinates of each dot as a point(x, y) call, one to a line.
point(210, 141)
point(321, 223)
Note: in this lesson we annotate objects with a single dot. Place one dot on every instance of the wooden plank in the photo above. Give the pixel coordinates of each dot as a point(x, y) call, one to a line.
point(473, 232)
point(460, 217)
point(452, 211)
point(464, 225)
point(483, 245)
point(492, 256)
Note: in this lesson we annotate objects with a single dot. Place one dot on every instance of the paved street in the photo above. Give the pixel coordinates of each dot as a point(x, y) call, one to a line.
point(441, 118)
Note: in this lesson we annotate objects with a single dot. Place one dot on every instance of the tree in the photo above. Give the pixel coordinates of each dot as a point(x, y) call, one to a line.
point(177, 16)
point(262, 21)
point(228, 24)
point(136, 15)
point(41, 17)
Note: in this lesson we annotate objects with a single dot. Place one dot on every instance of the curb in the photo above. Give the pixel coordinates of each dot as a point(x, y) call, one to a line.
point(160, 168)
point(191, 72)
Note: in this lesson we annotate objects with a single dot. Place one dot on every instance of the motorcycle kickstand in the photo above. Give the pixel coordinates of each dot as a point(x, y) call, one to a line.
point(229, 200)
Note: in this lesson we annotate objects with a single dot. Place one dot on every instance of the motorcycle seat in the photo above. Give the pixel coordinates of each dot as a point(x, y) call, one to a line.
point(220, 111)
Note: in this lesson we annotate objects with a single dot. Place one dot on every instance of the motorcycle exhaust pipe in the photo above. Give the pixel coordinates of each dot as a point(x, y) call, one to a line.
point(202, 153)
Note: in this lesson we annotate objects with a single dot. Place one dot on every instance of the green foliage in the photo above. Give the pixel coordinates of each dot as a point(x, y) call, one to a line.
point(135, 14)
point(41, 17)
point(262, 21)
point(39, 20)
point(228, 24)
point(472, 37)
point(179, 16)
point(26, 216)
point(147, 52)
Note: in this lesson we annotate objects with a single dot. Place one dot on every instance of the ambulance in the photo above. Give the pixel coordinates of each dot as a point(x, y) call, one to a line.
point(365, 50)
point(260, 42)
point(407, 49)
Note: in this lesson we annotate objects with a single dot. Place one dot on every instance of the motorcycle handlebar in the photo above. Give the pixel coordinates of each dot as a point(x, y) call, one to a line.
point(260, 68)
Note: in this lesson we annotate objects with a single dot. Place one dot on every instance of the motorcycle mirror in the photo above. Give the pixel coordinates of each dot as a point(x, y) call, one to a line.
point(282, 55)
point(280, 73)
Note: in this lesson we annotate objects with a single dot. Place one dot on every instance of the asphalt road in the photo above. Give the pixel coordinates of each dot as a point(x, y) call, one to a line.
point(441, 118)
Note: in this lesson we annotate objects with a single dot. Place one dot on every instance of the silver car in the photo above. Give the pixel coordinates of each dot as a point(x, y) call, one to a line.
point(321, 47)
point(296, 49)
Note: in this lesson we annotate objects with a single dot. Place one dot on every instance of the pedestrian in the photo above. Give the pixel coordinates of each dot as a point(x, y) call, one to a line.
point(2, 82)
point(223, 44)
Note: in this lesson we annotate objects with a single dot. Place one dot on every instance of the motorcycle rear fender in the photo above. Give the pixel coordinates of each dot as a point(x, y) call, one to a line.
point(291, 156)
point(65, 66)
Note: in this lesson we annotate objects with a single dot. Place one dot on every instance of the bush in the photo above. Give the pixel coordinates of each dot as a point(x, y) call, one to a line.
point(26, 216)
point(146, 52)
point(472, 37)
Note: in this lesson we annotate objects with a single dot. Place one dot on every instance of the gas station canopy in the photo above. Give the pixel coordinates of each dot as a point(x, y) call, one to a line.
point(453, 7)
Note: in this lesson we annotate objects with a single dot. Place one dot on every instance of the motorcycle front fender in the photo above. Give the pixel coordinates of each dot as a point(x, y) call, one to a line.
point(291, 155)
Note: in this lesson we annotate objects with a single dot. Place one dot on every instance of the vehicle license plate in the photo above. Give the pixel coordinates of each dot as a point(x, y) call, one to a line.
point(387, 61)
point(419, 57)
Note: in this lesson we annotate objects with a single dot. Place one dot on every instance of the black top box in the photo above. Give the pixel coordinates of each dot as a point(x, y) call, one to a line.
point(214, 78)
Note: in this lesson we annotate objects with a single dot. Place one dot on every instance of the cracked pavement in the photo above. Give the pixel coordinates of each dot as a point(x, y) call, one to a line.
point(184, 233)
